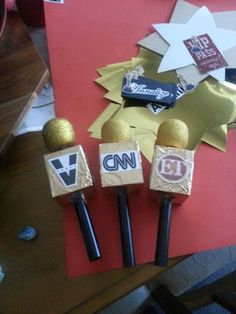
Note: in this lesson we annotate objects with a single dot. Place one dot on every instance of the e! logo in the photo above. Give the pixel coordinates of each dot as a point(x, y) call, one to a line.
point(172, 168)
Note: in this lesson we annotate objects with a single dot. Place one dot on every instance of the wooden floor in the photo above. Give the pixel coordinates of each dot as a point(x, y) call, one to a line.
point(35, 278)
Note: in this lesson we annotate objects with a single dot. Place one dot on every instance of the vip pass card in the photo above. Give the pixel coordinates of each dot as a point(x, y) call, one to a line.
point(148, 90)
point(205, 53)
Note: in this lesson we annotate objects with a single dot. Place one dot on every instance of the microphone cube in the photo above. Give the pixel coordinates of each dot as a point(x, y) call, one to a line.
point(68, 171)
point(120, 164)
point(172, 172)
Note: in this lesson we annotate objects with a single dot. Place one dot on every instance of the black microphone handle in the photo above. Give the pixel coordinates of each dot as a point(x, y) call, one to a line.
point(162, 246)
point(86, 226)
point(125, 227)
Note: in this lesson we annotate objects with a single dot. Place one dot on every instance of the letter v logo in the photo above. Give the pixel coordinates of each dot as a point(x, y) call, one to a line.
point(66, 168)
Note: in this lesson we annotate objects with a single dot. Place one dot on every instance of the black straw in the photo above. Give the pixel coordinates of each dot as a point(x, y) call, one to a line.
point(125, 228)
point(161, 257)
point(86, 226)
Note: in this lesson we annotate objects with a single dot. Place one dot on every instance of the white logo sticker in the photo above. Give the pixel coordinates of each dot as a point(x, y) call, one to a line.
point(155, 108)
point(55, 1)
point(172, 168)
point(122, 161)
point(66, 168)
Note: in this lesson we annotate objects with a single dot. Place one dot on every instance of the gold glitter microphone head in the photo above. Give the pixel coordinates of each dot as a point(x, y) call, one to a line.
point(120, 160)
point(115, 130)
point(172, 133)
point(58, 133)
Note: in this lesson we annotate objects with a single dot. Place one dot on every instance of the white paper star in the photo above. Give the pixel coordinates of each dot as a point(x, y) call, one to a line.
point(202, 22)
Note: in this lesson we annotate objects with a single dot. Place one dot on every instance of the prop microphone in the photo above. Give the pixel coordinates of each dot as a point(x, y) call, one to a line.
point(171, 176)
point(68, 173)
point(120, 165)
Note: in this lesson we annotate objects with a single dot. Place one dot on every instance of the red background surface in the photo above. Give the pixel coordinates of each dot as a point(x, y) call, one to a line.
point(85, 35)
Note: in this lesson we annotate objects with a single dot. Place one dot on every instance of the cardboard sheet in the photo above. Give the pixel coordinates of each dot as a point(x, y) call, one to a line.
point(86, 35)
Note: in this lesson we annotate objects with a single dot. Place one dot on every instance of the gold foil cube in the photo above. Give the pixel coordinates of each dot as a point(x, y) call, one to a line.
point(172, 170)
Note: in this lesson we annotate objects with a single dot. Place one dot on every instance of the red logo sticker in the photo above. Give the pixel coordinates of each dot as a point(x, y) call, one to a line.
point(172, 168)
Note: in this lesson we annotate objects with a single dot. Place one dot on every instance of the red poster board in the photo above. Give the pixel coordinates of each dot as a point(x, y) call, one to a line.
point(85, 35)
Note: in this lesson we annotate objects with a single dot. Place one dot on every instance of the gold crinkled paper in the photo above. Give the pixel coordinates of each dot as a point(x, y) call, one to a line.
point(207, 111)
